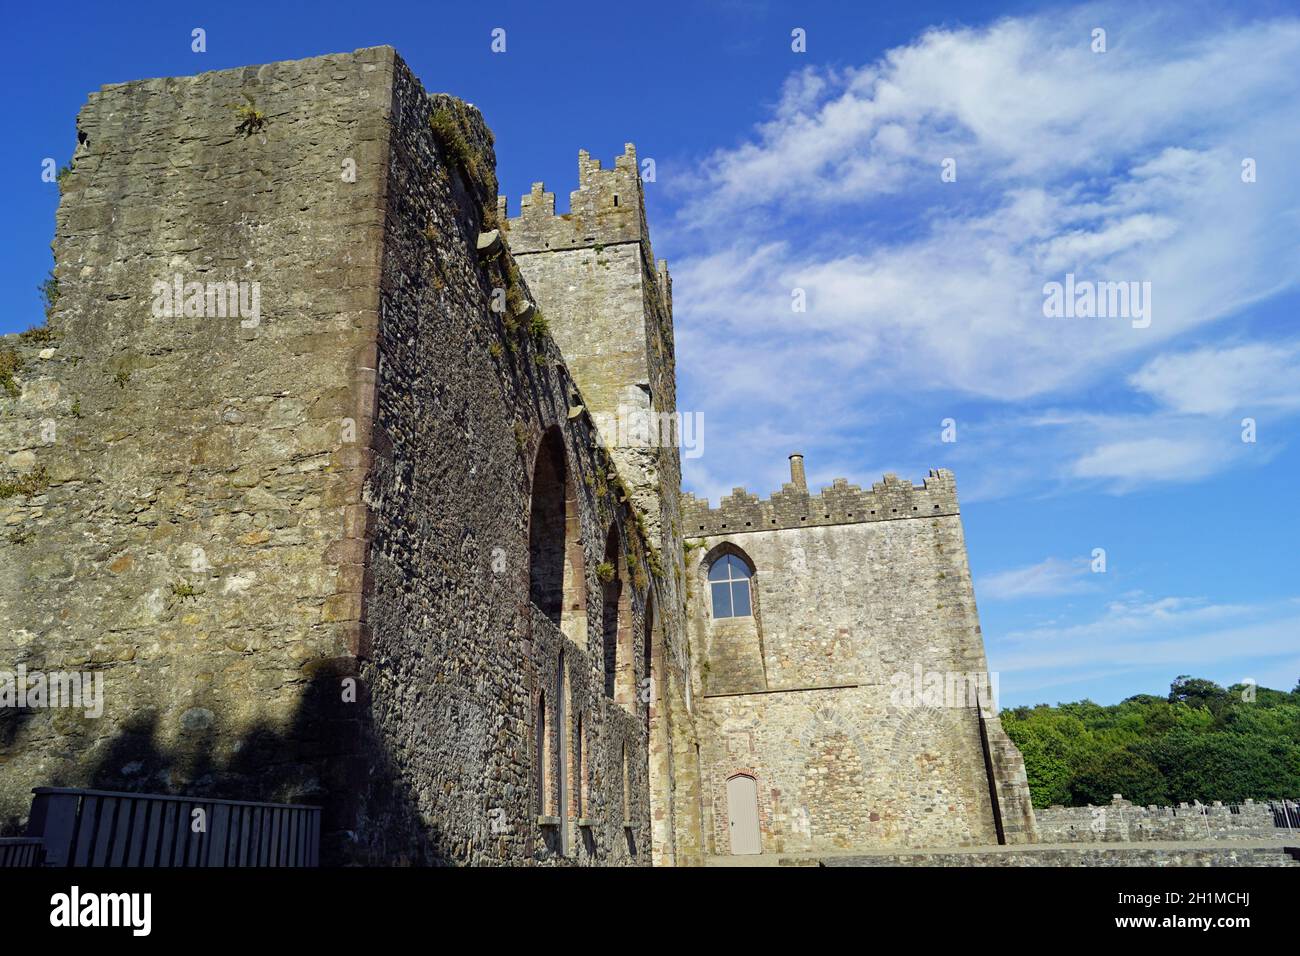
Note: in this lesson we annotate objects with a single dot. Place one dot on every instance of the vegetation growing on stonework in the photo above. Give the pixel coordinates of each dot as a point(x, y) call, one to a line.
point(251, 119)
point(49, 290)
point(10, 362)
point(653, 560)
point(638, 549)
point(515, 290)
point(538, 326)
point(1201, 742)
point(449, 128)
point(521, 435)
point(183, 590)
point(605, 572)
point(38, 335)
point(121, 377)
point(32, 483)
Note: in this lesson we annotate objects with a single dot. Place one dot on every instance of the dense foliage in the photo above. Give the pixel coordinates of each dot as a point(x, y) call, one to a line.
point(1202, 742)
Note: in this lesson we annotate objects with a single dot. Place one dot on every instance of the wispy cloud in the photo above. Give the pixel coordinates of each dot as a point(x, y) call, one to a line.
point(1122, 166)
point(1050, 577)
point(1140, 635)
point(1217, 381)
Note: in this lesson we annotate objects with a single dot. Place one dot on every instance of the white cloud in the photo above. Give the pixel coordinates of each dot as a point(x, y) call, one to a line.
point(1022, 97)
point(1053, 576)
point(1176, 634)
point(1216, 381)
point(1123, 166)
point(1152, 459)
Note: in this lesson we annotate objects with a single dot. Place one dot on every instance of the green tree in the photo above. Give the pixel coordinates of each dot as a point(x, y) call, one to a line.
point(1201, 742)
point(1197, 692)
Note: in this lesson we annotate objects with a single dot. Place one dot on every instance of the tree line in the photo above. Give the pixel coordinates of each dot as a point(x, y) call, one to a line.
point(1202, 742)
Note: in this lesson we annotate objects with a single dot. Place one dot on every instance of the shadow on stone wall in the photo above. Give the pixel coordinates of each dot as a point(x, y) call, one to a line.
point(325, 756)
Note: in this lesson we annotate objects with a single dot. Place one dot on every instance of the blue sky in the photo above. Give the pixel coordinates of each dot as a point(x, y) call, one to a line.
point(821, 171)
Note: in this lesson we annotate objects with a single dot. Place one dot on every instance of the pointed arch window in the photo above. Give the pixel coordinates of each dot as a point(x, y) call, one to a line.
point(556, 575)
point(542, 749)
point(620, 668)
point(729, 583)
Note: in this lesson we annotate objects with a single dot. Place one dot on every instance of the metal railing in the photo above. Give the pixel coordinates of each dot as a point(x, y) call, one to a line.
point(20, 852)
point(103, 828)
point(1286, 814)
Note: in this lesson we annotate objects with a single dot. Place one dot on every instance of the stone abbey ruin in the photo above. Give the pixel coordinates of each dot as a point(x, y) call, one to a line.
point(309, 468)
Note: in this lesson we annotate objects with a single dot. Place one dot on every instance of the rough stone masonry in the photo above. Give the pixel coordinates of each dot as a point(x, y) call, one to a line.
point(309, 470)
point(855, 692)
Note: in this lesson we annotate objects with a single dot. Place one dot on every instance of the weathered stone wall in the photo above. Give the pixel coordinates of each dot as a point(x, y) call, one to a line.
point(1226, 855)
point(1124, 822)
point(839, 768)
point(609, 307)
point(841, 503)
point(185, 544)
point(460, 662)
point(237, 522)
point(1008, 782)
point(821, 694)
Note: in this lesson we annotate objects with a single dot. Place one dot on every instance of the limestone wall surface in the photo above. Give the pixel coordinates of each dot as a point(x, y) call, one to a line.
point(845, 608)
point(299, 549)
point(1124, 822)
point(821, 695)
point(185, 541)
point(609, 307)
point(1245, 855)
point(462, 668)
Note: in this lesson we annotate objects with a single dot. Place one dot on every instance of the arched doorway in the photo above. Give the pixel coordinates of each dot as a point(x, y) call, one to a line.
point(742, 815)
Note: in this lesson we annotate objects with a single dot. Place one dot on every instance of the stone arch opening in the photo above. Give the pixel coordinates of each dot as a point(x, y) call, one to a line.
point(736, 585)
point(659, 750)
point(734, 651)
point(649, 672)
point(616, 623)
point(563, 751)
point(541, 755)
point(556, 576)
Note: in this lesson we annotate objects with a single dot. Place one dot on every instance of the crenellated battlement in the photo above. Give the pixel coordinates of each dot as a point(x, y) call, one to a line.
point(608, 207)
point(841, 503)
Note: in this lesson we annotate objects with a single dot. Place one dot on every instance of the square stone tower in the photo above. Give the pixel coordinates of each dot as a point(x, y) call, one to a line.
point(608, 304)
point(842, 689)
